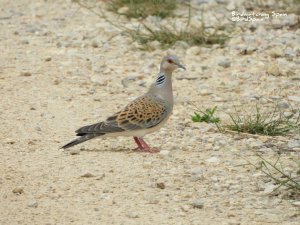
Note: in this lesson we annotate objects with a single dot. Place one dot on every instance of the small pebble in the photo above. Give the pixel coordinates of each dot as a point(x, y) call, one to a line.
point(18, 190)
point(87, 175)
point(197, 174)
point(132, 215)
point(198, 204)
point(123, 10)
point(147, 165)
point(151, 199)
point(213, 160)
point(164, 153)
point(95, 44)
point(294, 98)
point(32, 204)
point(294, 144)
point(25, 74)
point(273, 69)
point(38, 128)
point(160, 185)
point(296, 203)
point(75, 151)
point(224, 63)
point(9, 141)
point(185, 208)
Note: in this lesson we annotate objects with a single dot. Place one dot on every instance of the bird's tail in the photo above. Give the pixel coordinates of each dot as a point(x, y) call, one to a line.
point(81, 139)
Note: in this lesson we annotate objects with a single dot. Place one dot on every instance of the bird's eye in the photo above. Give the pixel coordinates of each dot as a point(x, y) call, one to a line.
point(170, 61)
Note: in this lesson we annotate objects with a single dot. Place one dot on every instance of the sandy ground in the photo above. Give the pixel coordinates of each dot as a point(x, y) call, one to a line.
point(58, 72)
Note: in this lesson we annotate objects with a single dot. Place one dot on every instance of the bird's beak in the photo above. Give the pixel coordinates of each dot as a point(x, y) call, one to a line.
point(181, 66)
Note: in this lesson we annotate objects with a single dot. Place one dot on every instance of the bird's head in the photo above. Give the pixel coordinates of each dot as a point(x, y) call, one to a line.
point(170, 63)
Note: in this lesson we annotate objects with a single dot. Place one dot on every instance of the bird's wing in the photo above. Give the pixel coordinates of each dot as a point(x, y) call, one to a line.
point(144, 112)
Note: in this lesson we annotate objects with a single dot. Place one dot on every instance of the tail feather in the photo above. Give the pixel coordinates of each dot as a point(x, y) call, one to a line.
point(81, 139)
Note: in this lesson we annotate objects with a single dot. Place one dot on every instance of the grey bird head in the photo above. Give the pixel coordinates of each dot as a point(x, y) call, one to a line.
point(170, 63)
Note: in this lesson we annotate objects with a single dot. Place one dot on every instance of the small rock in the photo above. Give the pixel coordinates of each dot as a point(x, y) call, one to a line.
point(95, 44)
point(151, 199)
point(296, 203)
point(254, 143)
point(185, 208)
point(75, 151)
point(18, 190)
point(38, 128)
point(247, 50)
point(195, 50)
point(127, 81)
point(294, 98)
point(269, 188)
point(283, 105)
point(164, 153)
point(198, 204)
point(213, 160)
point(32, 204)
point(276, 52)
point(273, 69)
point(181, 45)
point(155, 44)
point(123, 10)
point(132, 215)
point(224, 63)
point(9, 141)
point(56, 81)
point(288, 114)
point(230, 6)
point(87, 175)
point(294, 144)
point(100, 176)
point(289, 52)
point(26, 74)
point(48, 59)
point(160, 185)
point(197, 174)
point(147, 165)
point(24, 42)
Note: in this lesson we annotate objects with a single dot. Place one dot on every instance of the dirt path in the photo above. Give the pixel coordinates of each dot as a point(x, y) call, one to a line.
point(58, 72)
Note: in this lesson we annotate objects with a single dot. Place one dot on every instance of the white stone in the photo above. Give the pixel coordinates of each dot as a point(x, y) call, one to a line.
point(294, 98)
point(294, 144)
point(296, 203)
point(123, 10)
point(213, 160)
point(32, 204)
point(273, 69)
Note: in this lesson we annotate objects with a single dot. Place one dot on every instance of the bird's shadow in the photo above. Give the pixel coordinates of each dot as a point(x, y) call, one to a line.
point(115, 150)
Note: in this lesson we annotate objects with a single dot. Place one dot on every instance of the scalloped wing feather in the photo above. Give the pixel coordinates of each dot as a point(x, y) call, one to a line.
point(144, 112)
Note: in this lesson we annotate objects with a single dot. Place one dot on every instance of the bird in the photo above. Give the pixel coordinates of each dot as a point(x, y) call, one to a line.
point(145, 114)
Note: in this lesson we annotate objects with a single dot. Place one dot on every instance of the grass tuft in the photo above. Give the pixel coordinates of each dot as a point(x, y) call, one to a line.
point(168, 37)
point(272, 123)
point(276, 170)
point(143, 8)
point(206, 116)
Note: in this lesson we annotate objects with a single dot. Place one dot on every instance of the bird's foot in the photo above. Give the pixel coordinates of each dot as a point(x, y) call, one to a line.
point(145, 150)
point(143, 146)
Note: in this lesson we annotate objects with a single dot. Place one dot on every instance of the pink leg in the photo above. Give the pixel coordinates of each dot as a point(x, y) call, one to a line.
point(137, 141)
point(143, 146)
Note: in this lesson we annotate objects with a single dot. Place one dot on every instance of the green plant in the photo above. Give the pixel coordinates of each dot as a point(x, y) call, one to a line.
point(276, 171)
point(271, 123)
point(143, 8)
point(206, 116)
point(168, 36)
